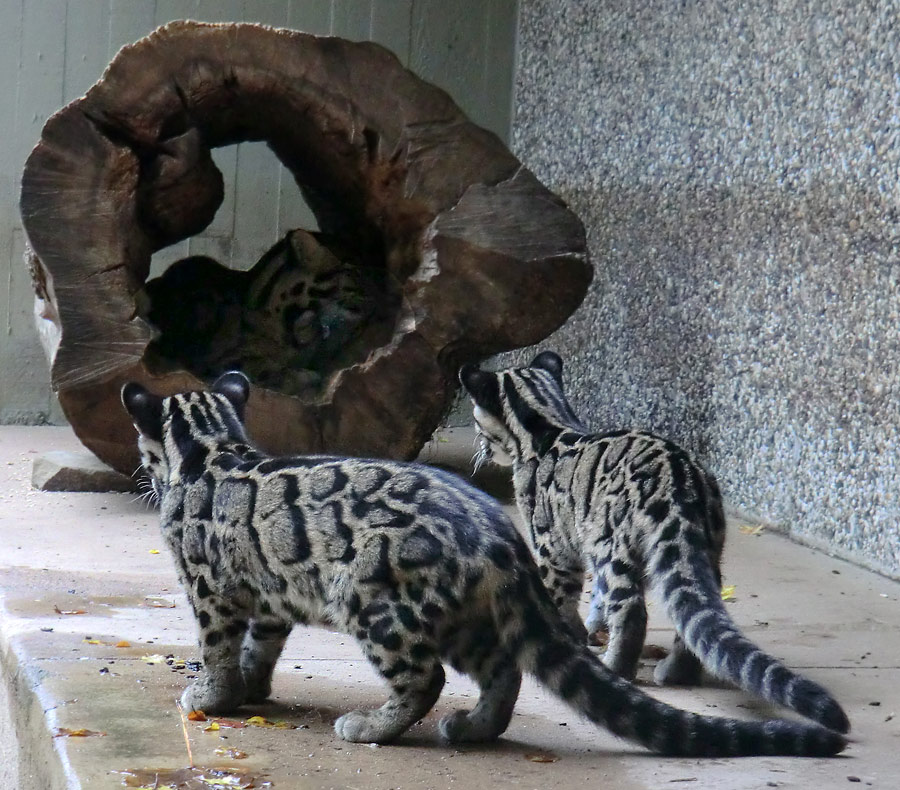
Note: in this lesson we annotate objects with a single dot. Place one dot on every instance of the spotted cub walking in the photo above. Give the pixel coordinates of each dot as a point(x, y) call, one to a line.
point(643, 514)
point(417, 565)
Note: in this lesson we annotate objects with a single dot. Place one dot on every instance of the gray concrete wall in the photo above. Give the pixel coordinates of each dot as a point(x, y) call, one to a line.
point(738, 168)
point(52, 51)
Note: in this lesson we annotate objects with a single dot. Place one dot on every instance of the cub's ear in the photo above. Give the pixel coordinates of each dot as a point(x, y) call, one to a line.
point(482, 386)
point(471, 378)
point(145, 409)
point(551, 362)
point(235, 386)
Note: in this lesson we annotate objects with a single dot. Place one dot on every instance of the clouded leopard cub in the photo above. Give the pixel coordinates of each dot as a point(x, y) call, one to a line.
point(416, 564)
point(642, 514)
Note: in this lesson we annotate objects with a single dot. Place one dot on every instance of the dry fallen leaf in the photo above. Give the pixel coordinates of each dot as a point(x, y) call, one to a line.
point(747, 529)
point(65, 732)
point(541, 757)
point(157, 602)
point(220, 780)
point(121, 643)
point(728, 592)
point(191, 777)
point(68, 611)
point(259, 721)
point(234, 754)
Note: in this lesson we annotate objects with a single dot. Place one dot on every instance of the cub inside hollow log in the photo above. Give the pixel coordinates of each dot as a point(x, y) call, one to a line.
point(307, 308)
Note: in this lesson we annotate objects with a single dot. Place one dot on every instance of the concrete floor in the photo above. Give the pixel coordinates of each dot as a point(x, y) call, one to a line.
point(95, 553)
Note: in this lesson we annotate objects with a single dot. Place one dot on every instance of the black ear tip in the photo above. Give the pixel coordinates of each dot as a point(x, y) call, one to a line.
point(234, 385)
point(131, 392)
point(234, 378)
point(550, 361)
point(469, 375)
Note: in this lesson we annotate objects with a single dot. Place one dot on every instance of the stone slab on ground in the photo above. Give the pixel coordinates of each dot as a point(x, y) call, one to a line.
point(94, 553)
point(77, 470)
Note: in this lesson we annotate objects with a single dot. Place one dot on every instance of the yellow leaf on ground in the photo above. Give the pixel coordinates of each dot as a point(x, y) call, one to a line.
point(220, 779)
point(122, 643)
point(259, 721)
point(157, 602)
point(728, 592)
point(747, 529)
point(65, 732)
point(93, 641)
point(68, 611)
point(154, 551)
point(229, 723)
point(191, 777)
point(234, 754)
point(541, 757)
point(212, 727)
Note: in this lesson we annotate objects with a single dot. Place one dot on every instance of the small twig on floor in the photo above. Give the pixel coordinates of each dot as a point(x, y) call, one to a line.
point(187, 741)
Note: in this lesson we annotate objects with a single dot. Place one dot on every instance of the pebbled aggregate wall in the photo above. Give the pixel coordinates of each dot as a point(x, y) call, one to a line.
point(737, 165)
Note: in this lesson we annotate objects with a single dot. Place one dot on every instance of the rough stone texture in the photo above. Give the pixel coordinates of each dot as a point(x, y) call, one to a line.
point(65, 470)
point(736, 166)
point(480, 256)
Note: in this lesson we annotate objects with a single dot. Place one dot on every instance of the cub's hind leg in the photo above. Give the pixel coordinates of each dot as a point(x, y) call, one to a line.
point(563, 576)
point(260, 651)
point(222, 624)
point(413, 671)
point(478, 654)
point(626, 616)
point(680, 668)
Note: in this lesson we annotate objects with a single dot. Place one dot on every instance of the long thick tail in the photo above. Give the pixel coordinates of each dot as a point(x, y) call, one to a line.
point(693, 601)
point(533, 631)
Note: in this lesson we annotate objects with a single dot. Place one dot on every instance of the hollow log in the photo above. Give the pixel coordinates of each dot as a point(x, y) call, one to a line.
point(472, 255)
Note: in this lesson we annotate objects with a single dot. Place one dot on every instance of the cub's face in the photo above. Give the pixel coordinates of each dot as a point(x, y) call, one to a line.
point(494, 440)
point(494, 443)
point(207, 417)
point(146, 412)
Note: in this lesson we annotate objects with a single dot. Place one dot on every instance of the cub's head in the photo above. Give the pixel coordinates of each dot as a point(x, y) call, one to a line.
point(518, 411)
point(175, 433)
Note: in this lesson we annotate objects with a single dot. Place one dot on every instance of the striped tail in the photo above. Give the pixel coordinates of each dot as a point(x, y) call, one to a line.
point(533, 631)
point(696, 608)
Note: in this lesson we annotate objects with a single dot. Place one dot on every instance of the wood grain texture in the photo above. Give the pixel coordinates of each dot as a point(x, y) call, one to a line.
point(52, 51)
point(480, 256)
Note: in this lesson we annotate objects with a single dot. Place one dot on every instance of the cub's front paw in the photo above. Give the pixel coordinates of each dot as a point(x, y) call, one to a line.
point(362, 727)
point(211, 698)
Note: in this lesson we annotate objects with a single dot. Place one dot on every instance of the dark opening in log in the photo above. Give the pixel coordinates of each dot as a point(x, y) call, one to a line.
point(436, 246)
point(305, 310)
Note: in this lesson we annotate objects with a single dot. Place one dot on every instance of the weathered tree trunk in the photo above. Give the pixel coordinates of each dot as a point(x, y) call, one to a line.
point(477, 256)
